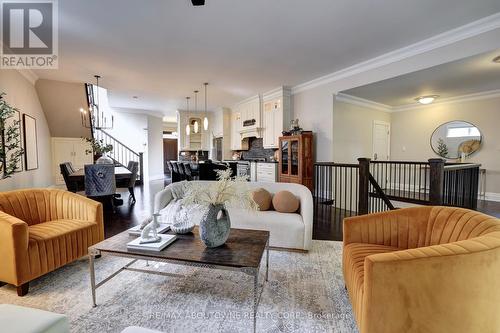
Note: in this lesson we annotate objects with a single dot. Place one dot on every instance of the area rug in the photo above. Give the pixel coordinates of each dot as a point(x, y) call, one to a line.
point(305, 293)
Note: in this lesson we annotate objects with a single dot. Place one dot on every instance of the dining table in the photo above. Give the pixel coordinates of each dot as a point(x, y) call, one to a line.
point(120, 173)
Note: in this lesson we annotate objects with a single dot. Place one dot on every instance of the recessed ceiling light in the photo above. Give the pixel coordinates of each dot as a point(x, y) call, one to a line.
point(497, 59)
point(426, 99)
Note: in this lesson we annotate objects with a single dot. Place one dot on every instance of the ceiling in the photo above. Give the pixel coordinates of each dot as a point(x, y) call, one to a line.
point(462, 77)
point(162, 50)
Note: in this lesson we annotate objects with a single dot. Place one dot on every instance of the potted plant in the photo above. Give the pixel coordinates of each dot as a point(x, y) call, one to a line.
point(100, 150)
point(216, 197)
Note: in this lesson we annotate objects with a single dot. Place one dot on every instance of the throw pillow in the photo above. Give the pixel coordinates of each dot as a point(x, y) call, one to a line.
point(262, 198)
point(285, 202)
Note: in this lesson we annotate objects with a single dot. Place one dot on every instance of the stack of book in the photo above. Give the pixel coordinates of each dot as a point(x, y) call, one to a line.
point(136, 231)
point(138, 244)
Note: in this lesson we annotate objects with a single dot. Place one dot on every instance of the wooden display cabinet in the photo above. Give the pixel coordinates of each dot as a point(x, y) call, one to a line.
point(296, 159)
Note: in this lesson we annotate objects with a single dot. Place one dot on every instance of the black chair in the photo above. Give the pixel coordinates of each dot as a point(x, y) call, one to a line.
point(169, 167)
point(188, 171)
point(66, 170)
point(134, 168)
point(182, 173)
point(70, 166)
point(175, 172)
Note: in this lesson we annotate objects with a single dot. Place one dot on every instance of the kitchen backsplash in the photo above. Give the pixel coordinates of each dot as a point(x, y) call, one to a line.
point(257, 150)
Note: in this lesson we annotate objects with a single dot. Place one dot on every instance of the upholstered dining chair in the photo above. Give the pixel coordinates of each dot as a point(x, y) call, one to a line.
point(175, 174)
point(66, 170)
point(187, 171)
point(182, 172)
point(134, 169)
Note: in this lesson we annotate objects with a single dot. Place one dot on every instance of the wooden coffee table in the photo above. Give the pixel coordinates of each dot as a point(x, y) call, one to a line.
point(242, 252)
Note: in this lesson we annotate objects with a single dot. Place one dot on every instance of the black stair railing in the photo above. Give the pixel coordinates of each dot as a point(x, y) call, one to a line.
point(374, 186)
point(121, 153)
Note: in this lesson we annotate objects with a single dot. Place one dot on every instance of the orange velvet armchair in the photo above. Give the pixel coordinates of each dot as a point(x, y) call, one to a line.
point(42, 230)
point(423, 269)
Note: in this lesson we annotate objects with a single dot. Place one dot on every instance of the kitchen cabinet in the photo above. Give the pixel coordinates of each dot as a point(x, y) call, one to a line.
point(267, 172)
point(296, 160)
point(237, 143)
point(276, 116)
point(220, 128)
point(69, 150)
point(195, 141)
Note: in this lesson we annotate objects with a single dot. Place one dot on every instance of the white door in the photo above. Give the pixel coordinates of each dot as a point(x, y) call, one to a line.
point(381, 140)
point(80, 156)
point(62, 151)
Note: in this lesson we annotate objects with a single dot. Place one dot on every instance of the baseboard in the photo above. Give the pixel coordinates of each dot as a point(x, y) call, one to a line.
point(491, 196)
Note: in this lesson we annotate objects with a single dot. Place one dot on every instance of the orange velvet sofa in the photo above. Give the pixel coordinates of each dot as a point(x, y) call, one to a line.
point(42, 230)
point(423, 269)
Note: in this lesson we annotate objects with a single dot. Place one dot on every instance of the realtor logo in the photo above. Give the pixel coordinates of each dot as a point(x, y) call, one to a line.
point(29, 34)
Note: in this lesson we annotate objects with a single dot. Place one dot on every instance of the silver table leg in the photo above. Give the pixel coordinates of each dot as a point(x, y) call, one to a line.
point(92, 278)
point(255, 298)
point(267, 261)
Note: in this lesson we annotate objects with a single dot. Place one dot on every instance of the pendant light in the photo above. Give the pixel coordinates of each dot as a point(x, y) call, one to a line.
point(205, 119)
point(196, 125)
point(188, 128)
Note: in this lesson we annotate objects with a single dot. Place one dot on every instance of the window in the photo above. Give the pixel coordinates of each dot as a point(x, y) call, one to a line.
point(460, 132)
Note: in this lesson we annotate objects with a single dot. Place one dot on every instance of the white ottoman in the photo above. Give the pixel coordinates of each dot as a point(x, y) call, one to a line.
point(19, 319)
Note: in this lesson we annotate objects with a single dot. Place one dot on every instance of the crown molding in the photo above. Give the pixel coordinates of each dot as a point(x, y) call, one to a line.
point(362, 102)
point(456, 99)
point(469, 30)
point(413, 106)
point(277, 92)
point(249, 99)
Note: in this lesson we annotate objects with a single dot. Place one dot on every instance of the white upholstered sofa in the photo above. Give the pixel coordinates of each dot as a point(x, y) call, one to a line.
point(288, 231)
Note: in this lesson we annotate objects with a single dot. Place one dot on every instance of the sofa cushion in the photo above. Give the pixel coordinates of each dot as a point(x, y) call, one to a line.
point(285, 202)
point(354, 264)
point(55, 243)
point(262, 198)
point(286, 229)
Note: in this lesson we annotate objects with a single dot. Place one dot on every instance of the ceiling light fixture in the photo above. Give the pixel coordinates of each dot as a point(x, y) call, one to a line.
point(96, 118)
point(188, 128)
point(497, 59)
point(196, 125)
point(205, 119)
point(425, 100)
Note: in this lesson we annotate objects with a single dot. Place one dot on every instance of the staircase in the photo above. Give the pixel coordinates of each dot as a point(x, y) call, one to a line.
point(121, 153)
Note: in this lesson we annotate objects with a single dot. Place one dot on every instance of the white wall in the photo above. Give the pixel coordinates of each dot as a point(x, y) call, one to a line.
point(61, 102)
point(22, 94)
point(314, 109)
point(353, 131)
point(130, 128)
point(411, 132)
point(155, 148)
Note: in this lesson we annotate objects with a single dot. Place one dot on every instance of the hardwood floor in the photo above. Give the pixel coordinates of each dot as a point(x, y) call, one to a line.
point(327, 220)
point(127, 215)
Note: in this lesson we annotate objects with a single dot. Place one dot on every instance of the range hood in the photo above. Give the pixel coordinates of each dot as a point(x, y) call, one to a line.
point(251, 132)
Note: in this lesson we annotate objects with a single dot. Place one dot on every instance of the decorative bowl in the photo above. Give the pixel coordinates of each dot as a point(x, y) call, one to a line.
point(183, 227)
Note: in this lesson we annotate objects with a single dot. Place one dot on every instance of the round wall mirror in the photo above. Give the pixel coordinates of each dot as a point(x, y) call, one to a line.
point(455, 139)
